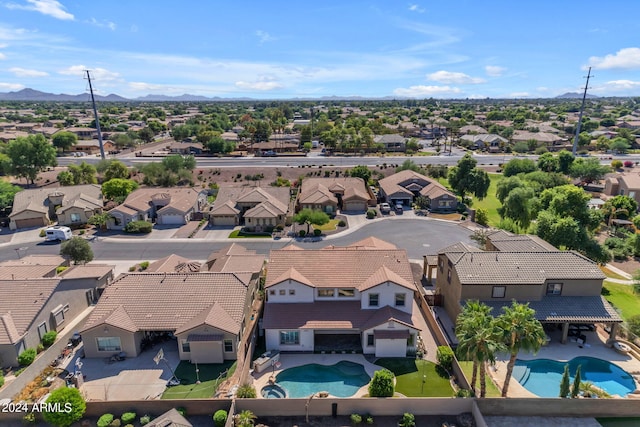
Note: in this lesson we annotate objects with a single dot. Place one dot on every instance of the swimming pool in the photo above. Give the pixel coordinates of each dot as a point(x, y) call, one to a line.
point(542, 376)
point(273, 391)
point(343, 379)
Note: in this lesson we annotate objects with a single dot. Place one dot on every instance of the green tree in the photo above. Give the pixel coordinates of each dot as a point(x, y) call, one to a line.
point(146, 134)
point(482, 217)
point(575, 389)
point(29, 156)
point(521, 206)
point(516, 166)
point(77, 249)
point(565, 383)
point(622, 207)
point(619, 145)
point(361, 171)
point(474, 315)
point(520, 331)
point(467, 178)
point(100, 220)
point(588, 170)
point(176, 162)
point(7, 194)
point(547, 162)
point(73, 405)
point(565, 160)
point(311, 216)
point(64, 140)
point(408, 165)
point(65, 178)
point(382, 384)
point(83, 173)
point(506, 185)
point(116, 169)
point(118, 189)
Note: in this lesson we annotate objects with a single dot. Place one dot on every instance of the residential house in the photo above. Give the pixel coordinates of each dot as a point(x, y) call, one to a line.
point(205, 312)
point(331, 194)
point(235, 258)
point(39, 206)
point(563, 287)
point(403, 187)
point(84, 132)
point(490, 142)
point(32, 266)
point(186, 148)
point(92, 146)
point(623, 184)
point(165, 206)
point(357, 298)
point(549, 140)
point(391, 142)
point(254, 207)
point(173, 264)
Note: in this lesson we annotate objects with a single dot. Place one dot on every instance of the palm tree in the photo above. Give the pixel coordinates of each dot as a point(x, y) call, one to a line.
point(478, 339)
point(245, 418)
point(520, 330)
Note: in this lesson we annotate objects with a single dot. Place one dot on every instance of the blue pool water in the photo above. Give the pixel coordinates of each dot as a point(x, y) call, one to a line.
point(542, 376)
point(273, 391)
point(343, 379)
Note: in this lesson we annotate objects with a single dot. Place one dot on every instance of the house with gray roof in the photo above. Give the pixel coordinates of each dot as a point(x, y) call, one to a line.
point(331, 194)
point(403, 187)
point(391, 142)
point(357, 298)
point(563, 287)
point(255, 207)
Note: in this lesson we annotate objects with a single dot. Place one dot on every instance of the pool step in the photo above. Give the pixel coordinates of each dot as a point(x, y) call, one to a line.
point(521, 373)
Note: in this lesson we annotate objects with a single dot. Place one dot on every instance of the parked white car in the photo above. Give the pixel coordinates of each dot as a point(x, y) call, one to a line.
point(385, 208)
point(57, 233)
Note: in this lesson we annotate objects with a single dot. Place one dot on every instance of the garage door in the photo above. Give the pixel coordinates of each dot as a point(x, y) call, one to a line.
point(173, 219)
point(30, 222)
point(206, 352)
point(223, 220)
point(355, 206)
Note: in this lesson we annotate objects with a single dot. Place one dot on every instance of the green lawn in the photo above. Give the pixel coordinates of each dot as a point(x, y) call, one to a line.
point(186, 372)
point(331, 225)
point(623, 298)
point(409, 373)
point(238, 234)
point(619, 422)
point(492, 390)
point(490, 203)
point(611, 273)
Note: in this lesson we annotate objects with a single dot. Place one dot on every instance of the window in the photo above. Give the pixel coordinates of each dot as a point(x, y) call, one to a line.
point(440, 264)
point(42, 329)
point(448, 276)
point(228, 346)
point(282, 292)
point(400, 300)
point(289, 337)
point(554, 288)
point(292, 291)
point(370, 340)
point(347, 293)
point(272, 292)
point(325, 292)
point(374, 300)
point(498, 291)
point(108, 344)
point(186, 347)
point(75, 217)
point(59, 317)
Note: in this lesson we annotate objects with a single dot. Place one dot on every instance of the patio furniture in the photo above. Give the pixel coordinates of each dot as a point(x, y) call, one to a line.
point(621, 347)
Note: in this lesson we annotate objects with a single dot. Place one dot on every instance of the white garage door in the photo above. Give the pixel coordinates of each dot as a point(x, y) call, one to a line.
point(223, 220)
point(173, 219)
point(355, 206)
point(391, 348)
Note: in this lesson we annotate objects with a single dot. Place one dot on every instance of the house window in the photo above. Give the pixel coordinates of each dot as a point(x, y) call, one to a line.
point(282, 292)
point(75, 217)
point(370, 340)
point(272, 292)
point(554, 288)
point(348, 293)
point(42, 329)
point(186, 346)
point(228, 346)
point(108, 344)
point(325, 293)
point(289, 337)
point(374, 300)
point(498, 291)
point(441, 265)
point(59, 317)
point(400, 299)
point(292, 291)
point(448, 276)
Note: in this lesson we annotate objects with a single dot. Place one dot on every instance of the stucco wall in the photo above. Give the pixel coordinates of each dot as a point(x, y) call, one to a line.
point(387, 292)
point(273, 340)
point(303, 293)
point(130, 342)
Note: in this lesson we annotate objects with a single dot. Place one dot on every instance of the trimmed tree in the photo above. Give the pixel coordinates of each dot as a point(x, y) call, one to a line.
point(311, 216)
point(77, 249)
point(564, 383)
point(575, 389)
point(72, 404)
point(381, 384)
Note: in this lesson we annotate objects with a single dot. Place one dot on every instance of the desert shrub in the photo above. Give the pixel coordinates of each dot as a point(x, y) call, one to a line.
point(144, 265)
point(444, 356)
point(355, 419)
point(482, 217)
point(317, 232)
point(27, 357)
point(463, 392)
point(368, 419)
point(634, 324)
point(116, 423)
point(341, 223)
point(220, 418)
point(138, 227)
point(73, 403)
point(144, 420)
point(628, 164)
point(371, 214)
point(105, 420)
point(182, 411)
point(407, 420)
point(246, 391)
point(302, 233)
point(128, 417)
point(616, 164)
point(381, 384)
point(1, 379)
point(39, 348)
point(61, 268)
point(42, 233)
point(49, 338)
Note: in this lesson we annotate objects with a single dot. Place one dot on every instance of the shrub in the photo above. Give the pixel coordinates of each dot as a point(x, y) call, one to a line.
point(29, 418)
point(128, 417)
point(463, 392)
point(105, 420)
point(1, 379)
point(482, 217)
point(71, 401)
point(144, 265)
point(616, 164)
point(302, 233)
point(246, 391)
point(49, 338)
point(182, 411)
point(142, 227)
point(444, 356)
point(371, 214)
point(381, 384)
point(317, 232)
point(42, 233)
point(27, 357)
point(144, 420)
point(220, 418)
point(634, 324)
point(407, 420)
point(355, 419)
point(341, 223)
point(368, 419)
point(115, 423)
point(628, 164)
point(61, 268)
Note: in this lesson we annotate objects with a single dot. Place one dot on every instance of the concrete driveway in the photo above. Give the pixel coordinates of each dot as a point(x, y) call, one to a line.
point(136, 378)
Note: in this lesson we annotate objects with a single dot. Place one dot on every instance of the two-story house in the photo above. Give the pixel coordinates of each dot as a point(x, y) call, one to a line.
point(358, 298)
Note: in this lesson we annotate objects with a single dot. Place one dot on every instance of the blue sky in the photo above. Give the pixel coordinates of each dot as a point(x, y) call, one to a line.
point(278, 49)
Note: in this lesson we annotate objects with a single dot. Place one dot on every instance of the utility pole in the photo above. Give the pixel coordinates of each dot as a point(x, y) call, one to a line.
point(95, 115)
point(584, 97)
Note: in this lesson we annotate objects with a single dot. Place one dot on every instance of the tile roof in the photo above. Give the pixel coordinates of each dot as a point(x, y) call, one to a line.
point(338, 266)
point(373, 242)
point(167, 264)
point(13, 272)
point(382, 275)
point(319, 190)
point(20, 303)
point(575, 309)
point(214, 316)
point(398, 183)
point(232, 194)
point(93, 271)
point(181, 199)
point(235, 258)
point(36, 199)
point(167, 301)
point(226, 208)
point(266, 209)
point(509, 242)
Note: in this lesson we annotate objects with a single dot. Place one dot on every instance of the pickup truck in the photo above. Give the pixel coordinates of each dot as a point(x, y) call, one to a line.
point(385, 208)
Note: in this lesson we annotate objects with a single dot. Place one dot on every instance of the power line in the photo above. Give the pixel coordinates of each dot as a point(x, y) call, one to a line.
point(584, 97)
point(95, 115)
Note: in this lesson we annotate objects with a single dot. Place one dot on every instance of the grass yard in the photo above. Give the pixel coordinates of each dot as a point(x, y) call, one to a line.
point(492, 390)
point(409, 374)
point(611, 273)
point(622, 298)
point(209, 373)
point(331, 225)
point(238, 234)
point(619, 422)
point(490, 203)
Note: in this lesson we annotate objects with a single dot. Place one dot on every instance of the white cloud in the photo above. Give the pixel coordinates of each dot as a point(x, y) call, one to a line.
point(2, 56)
point(451, 77)
point(494, 70)
point(11, 86)
point(627, 58)
point(97, 73)
point(262, 84)
point(102, 24)
point(416, 8)
point(23, 72)
point(421, 91)
point(519, 95)
point(264, 36)
point(52, 8)
point(621, 85)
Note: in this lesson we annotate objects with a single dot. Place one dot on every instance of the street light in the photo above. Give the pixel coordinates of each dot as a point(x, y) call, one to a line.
point(197, 374)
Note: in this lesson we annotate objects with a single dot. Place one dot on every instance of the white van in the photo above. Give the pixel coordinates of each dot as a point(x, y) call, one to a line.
point(57, 232)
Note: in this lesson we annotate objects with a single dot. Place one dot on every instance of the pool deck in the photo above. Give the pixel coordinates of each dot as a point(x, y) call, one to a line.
point(292, 360)
point(595, 347)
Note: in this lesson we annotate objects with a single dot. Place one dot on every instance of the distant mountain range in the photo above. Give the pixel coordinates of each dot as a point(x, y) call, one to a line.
point(36, 95)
